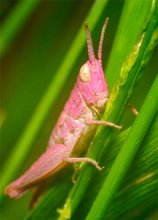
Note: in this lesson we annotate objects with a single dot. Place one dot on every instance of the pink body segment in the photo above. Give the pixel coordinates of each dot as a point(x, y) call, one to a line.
point(75, 127)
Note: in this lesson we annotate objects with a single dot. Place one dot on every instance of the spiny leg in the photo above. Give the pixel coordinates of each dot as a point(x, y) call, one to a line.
point(83, 159)
point(133, 109)
point(101, 122)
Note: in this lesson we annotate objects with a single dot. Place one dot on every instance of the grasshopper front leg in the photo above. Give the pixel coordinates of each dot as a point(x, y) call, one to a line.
point(101, 122)
point(83, 159)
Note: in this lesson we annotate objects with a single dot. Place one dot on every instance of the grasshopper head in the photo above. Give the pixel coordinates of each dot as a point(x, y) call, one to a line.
point(91, 81)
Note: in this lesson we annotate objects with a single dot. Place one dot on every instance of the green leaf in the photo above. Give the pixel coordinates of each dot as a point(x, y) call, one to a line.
point(126, 154)
point(138, 186)
point(130, 27)
point(129, 75)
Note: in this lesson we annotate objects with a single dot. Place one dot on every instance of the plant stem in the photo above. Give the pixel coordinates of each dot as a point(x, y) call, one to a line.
point(121, 92)
point(126, 154)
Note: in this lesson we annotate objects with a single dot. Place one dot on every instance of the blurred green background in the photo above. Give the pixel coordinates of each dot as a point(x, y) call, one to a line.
point(30, 56)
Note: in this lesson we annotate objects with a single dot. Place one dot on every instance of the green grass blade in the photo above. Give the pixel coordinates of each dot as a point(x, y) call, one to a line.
point(15, 22)
point(23, 145)
point(129, 29)
point(126, 154)
point(138, 185)
point(119, 97)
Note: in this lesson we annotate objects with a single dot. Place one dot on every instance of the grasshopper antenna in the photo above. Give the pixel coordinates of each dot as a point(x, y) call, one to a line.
point(102, 39)
point(89, 43)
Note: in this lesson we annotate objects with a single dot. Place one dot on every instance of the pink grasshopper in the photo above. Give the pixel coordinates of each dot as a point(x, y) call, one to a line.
point(76, 125)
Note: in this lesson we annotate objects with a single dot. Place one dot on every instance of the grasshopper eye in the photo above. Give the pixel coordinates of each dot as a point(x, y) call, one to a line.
point(85, 73)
